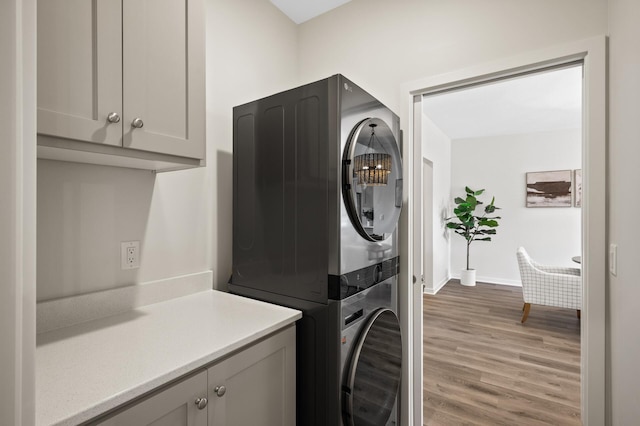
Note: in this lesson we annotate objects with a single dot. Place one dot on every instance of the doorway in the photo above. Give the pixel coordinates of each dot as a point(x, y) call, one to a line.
point(493, 137)
point(591, 53)
point(489, 137)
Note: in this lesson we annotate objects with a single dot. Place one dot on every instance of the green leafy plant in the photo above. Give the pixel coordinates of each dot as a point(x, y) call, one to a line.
point(468, 224)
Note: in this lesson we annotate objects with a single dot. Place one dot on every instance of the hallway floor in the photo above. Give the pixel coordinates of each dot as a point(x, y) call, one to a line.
point(483, 367)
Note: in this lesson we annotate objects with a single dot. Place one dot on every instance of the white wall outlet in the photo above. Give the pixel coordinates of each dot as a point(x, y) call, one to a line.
point(613, 259)
point(130, 254)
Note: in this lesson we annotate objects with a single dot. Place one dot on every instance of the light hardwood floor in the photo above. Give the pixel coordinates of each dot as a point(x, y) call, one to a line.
point(483, 367)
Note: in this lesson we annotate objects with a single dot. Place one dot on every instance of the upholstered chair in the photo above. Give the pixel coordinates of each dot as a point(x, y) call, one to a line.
point(548, 285)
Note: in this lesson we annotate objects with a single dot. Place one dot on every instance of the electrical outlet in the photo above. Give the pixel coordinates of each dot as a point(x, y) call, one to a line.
point(130, 254)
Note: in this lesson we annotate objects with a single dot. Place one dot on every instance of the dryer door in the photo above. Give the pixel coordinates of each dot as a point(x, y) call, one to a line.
point(372, 179)
point(374, 374)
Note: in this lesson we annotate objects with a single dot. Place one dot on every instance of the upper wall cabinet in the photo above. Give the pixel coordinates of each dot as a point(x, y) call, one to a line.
point(121, 82)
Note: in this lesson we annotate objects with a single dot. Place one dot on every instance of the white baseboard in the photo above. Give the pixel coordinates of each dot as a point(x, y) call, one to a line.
point(437, 288)
point(58, 313)
point(512, 283)
point(493, 280)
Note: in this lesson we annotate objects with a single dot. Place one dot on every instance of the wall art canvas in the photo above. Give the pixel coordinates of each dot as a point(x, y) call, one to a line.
point(577, 184)
point(549, 189)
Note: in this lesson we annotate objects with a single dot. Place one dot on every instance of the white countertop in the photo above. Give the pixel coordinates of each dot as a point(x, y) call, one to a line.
point(87, 369)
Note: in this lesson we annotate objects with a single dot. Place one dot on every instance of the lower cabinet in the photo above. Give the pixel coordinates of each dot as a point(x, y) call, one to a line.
point(174, 405)
point(255, 386)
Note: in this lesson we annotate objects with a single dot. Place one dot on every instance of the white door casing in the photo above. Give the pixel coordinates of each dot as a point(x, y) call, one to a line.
point(418, 270)
point(17, 211)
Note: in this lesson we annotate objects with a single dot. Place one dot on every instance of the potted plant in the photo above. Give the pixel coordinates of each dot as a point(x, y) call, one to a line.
point(471, 226)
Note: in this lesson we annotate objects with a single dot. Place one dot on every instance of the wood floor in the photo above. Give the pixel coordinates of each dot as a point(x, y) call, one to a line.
point(483, 367)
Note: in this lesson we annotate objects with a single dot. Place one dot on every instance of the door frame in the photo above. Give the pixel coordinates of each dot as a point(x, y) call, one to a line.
point(592, 53)
point(427, 219)
point(18, 212)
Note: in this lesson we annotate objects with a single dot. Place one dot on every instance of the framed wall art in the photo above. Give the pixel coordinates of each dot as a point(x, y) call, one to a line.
point(577, 184)
point(549, 189)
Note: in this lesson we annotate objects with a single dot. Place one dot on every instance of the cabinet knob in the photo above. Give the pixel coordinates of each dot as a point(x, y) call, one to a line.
point(201, 403)
point(220, 390)
point(137, 123)
point(113, 117)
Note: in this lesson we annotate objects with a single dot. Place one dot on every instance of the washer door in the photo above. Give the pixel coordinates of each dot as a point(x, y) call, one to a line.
point(374, 374)
point(372, 179)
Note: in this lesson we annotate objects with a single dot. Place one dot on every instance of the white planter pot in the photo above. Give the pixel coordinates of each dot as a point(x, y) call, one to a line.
point(468, 277)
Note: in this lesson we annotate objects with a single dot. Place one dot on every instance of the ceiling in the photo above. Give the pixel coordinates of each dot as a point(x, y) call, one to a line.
point(541, 102)
point(300, 11)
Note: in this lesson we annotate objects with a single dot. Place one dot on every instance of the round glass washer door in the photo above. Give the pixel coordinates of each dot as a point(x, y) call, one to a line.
point(372, 179)
point(374, 375)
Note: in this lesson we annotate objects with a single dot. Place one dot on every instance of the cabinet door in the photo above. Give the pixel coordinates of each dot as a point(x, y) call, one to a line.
point(173, 406)
point(259, 385)
point(163, 76)
point(80, 69)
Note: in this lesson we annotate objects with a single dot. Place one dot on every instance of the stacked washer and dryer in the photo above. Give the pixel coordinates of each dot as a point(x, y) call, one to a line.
point(317, 197)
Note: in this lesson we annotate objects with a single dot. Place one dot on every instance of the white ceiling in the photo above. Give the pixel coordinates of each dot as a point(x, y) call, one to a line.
point(303, 10)
point(546, 101)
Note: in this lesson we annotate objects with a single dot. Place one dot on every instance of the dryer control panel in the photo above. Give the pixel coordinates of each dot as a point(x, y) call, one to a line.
point(345, 285)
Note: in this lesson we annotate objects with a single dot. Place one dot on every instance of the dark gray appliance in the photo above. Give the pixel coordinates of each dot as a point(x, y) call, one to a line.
point(371, 356)
point(317, 196)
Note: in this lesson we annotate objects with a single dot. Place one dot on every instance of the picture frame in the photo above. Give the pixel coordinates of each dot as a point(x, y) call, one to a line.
point(577, 184)
point(549, 188)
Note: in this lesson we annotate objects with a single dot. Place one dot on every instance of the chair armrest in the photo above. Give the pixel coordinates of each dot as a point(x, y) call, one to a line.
point(552, 289)
point(557, 269)
point(559, 278)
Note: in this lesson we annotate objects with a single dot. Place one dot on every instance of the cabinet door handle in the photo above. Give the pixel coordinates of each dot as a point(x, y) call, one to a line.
point(137, 123)
point(113, 117)
point(201, 403)
point(220, 390)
